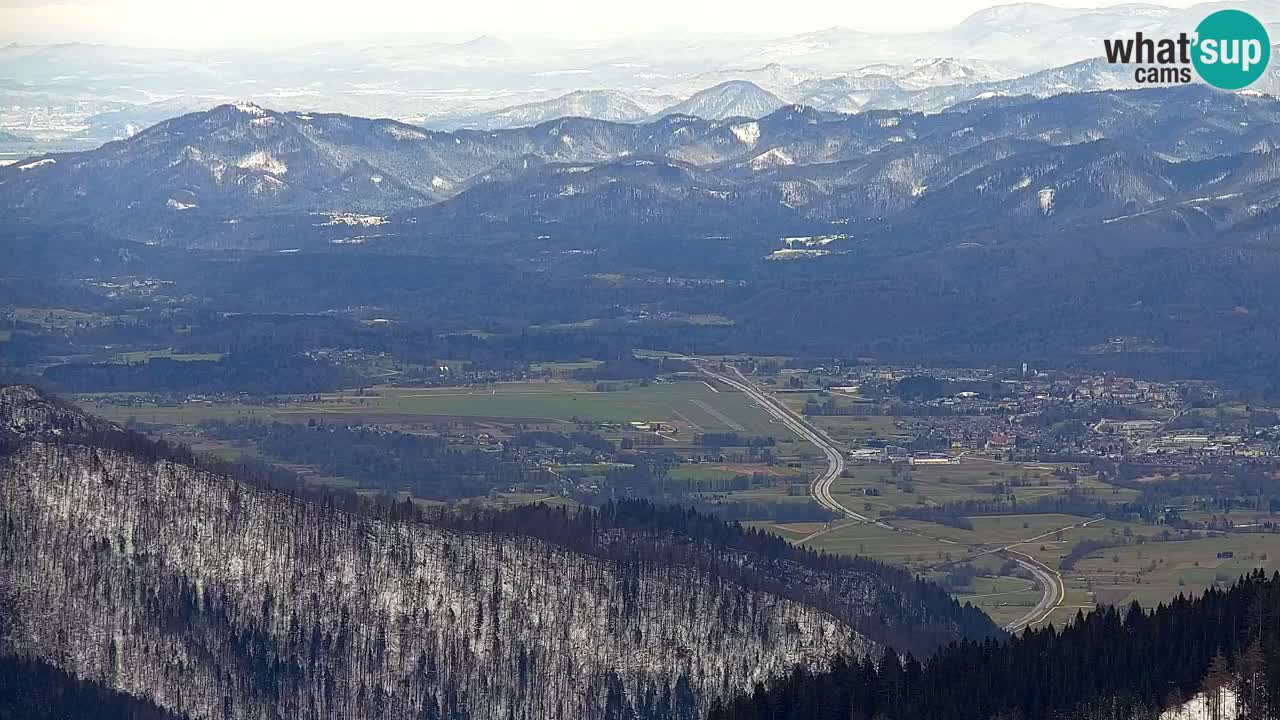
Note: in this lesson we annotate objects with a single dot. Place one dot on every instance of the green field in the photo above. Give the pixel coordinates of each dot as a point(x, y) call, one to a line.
point(924, 485)
point(56, 317)
point(1000, 530)
point(882, 544)
point(1157, 571)
point(854, 430)
point(719, 471)
point(691, 405)
point(1005, 599)
point(790, 531)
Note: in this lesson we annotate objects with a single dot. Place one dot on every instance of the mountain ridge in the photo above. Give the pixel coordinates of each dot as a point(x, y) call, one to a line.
point(794, 171)
point(400, 613)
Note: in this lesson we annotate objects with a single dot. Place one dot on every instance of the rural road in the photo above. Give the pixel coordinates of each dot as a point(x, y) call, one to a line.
point(1054, 591)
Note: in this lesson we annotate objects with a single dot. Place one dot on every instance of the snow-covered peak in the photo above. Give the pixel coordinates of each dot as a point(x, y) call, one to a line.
point(734, 98)
point(249, 108)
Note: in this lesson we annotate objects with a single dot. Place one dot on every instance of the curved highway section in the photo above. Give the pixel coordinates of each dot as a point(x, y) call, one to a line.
point(1050, 581)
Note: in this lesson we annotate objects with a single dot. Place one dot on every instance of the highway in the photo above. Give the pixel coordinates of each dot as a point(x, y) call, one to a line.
point(1054, 591)
point(1048, 579)
point(820, 488)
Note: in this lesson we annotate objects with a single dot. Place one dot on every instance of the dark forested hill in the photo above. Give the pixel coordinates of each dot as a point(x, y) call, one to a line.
point(36, 690)
point(1108, 665)
point(140, 567)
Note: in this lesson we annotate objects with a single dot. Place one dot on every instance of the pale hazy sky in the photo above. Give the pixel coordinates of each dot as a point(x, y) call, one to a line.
point(256, 23)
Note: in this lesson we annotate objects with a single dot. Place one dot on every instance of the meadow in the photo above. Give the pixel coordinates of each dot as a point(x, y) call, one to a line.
point(691, 405)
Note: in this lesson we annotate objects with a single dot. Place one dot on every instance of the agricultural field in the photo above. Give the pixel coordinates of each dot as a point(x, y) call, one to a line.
point(854, 430)
point(993, 531)
point(892, 546)
point(776, 495)
point(691, 405)
point(1158, 571)
point(728, 471)
point(1005, 599)
point(56, 318)
point(790, 531)
point(882, 488)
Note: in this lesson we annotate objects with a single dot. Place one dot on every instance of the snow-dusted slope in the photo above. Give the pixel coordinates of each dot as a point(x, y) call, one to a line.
point(217, 600)
point(735, 98)
point(777, 78)
point(950, 71)
point(1205, 706)
point(599, 104)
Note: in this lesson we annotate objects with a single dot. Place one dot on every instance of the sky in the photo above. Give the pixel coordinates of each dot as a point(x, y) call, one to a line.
point(267, 23)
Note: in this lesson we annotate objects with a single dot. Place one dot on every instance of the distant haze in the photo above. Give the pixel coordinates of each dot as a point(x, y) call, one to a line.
point(245, 24)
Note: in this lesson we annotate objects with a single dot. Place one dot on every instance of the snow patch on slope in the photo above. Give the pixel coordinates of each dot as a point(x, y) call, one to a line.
point(404, 133)
point(249, 108)
point(262, 160)
point(355, 219)
point(776, 157)
point(1200, 708)
point(38, 163)
point(1045, 199)
point(747, 133)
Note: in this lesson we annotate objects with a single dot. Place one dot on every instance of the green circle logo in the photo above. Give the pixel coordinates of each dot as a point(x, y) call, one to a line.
point(1232, 49)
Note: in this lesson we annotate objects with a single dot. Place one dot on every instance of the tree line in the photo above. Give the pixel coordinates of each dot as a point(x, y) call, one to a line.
point(1112, 664)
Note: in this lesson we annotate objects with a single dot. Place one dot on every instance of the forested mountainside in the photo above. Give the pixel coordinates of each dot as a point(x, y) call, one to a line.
point(1108, 665)
point(131, 566)
point(244, 176)
point(35, 690)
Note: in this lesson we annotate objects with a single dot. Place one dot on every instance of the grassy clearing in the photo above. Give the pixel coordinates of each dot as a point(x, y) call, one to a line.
point(888, 545)
point(936, 485)
point(1158, 571)
point(779, 494)
point(1005, 599)
point(999, 530)
point(690, 403)
point(516, 499)
point(789, 531)
point(56, 317)
point(883, 489)
point(727, 471)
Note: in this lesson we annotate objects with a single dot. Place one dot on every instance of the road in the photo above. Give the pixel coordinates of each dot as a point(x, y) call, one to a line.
point(820, 488)
point(1053, 589)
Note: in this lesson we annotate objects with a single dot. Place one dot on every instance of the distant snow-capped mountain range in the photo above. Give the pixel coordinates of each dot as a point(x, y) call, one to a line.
point(102, 92)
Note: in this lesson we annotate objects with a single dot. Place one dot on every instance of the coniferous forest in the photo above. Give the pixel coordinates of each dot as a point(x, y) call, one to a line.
point(35, 690)
point(1108, 665)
